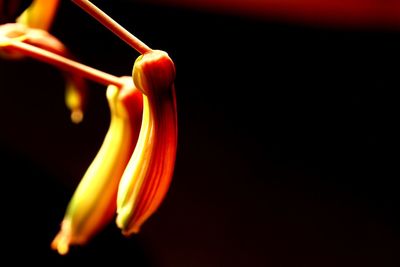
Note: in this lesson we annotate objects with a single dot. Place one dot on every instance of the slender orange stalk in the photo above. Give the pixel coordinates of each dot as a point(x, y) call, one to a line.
point(62, 63)
point(113, 26)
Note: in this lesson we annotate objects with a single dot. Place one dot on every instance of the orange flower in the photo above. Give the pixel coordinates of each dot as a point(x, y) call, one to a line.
point(133, 169)
point(149, 172)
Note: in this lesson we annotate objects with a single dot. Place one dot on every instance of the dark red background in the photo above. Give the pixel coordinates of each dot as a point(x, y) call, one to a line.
point(288, 143)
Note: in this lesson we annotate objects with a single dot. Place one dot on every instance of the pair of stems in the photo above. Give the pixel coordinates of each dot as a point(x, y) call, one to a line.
point(78, 68)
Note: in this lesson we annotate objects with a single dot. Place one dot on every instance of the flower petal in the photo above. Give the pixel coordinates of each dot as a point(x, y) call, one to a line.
point(148, 175)
point(93, 204)
point(39, 14)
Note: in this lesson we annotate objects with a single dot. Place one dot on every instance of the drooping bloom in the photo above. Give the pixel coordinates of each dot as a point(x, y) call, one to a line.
point(133, 178)
point(132, 171)
point(93, 204)
point(148, 174)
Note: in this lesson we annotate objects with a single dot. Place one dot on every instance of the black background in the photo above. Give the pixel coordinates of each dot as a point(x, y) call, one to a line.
point(288, 151)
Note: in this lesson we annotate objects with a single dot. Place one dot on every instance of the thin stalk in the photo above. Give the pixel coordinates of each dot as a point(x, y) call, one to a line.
point(113, 26)
point(65, 63)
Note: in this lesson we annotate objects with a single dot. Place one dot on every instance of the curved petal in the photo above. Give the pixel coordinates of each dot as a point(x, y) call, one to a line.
point(148, 175)
point(93, 204)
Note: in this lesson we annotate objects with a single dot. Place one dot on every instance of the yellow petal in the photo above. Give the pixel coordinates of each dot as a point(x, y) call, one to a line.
point(93, 204)
point(39, 14)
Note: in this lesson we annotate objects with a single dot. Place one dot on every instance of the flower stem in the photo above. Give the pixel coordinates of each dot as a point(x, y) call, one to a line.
point(65, 63)
point(112, 25)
